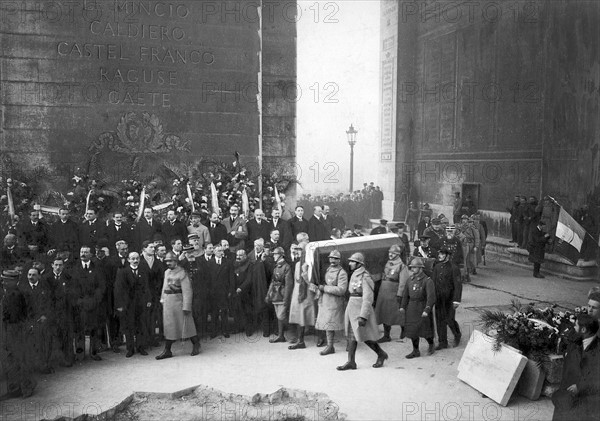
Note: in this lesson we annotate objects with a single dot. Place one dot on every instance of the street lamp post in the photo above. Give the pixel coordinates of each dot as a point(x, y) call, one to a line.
point(351, 133)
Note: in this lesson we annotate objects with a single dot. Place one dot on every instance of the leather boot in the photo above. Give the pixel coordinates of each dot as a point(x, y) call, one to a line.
point(166, 352)
point(351, 363)
point(381, 354)
point(195, 347)
point(330, 349)
point(280, 337)
point(414, 354)
point(321, 341)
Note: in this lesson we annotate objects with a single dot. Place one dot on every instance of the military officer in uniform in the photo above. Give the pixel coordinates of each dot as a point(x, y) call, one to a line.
point(395, 275)
point(176, 299)
point(359, 319)
point(331, 300)
point(417, 304)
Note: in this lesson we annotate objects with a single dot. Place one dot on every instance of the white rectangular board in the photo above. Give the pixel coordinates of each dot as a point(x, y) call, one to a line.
point(495, 374)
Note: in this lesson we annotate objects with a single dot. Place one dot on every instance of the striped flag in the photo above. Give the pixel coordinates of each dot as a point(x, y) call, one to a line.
point(191, 197)
point(277, 198)
point(569, 236)
point(214, 197)
point(11, 205)
point(245, 204)
point(142, 204)
point(87, 201)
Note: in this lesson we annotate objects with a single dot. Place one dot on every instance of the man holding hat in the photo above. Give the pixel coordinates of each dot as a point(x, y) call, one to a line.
point(331, 300)
point(448, 292)
point(177, 308)
point(417, 303)
point(381, 229)
point(14, 339)
point(536, 247)
point(359, 320)
point(395, 275)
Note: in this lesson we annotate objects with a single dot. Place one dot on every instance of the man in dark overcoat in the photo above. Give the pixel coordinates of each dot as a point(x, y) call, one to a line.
point(448, 293)
point(65, 308)
point(220, 291)
point(64, 233)
point(40, 313)
point(132, 302)
point(537, 248)
point(15, 339)
point(90, 288)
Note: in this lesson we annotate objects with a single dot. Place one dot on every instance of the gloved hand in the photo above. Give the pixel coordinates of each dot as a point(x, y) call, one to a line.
point(362, 322)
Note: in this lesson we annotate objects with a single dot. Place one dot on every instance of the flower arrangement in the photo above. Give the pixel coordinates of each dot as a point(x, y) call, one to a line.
point(170, 183)
point(533, 331)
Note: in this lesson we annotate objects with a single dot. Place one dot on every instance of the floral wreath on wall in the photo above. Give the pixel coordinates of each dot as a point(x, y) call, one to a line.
point(183, 187)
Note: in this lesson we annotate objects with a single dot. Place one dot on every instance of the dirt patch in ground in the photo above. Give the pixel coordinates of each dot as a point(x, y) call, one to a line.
point(207, 404)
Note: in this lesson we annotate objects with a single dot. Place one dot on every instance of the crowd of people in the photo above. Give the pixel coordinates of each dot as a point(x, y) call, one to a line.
point(358, 207)
point(74, 289)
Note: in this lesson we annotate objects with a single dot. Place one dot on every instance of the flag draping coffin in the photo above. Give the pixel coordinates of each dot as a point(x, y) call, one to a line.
point(569, 237)
point(374, 247)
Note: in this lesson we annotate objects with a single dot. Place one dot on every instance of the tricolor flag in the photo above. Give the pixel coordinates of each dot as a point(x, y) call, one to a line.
point(191, 197)
point(569, 236)
point(11, 205)
point(245, 204)
point(277, 198)
point(87, 201)
point(142, 204)
point(214, 198)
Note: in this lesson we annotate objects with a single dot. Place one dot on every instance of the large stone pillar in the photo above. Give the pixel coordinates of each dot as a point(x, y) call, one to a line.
point(398, 55)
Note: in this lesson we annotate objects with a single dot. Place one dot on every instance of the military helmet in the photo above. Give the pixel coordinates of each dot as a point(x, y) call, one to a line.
point(279, 250)
point(358, 258)
point(171, 256)
point(395, 249)
point(417, 262)
point(335, 254)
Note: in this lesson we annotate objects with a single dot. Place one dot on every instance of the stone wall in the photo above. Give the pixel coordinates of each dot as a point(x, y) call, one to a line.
point(504, 101)
point(142, 82)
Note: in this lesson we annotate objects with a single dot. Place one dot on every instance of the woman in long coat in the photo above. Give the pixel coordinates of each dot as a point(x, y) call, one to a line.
point(176, 299)
point(359, 319)
point(331, 300)
point(395, 275)
point(417, 303)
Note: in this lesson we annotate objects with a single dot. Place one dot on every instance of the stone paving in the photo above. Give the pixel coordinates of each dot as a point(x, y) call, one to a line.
point(421, 389)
